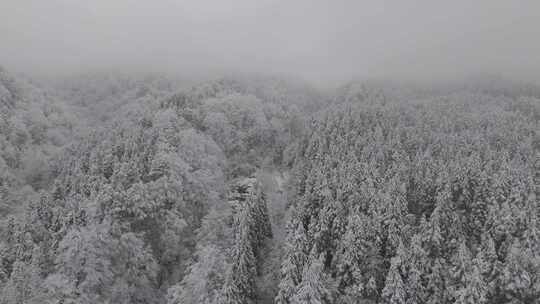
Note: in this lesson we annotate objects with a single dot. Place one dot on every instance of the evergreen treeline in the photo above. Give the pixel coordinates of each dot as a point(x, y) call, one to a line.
point(430, 201)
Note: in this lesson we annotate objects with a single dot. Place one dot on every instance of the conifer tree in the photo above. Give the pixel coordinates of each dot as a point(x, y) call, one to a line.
point(437, 286)
point(520, 276)
point(461, 265)
point(474, 290)
point(394, 291)
point(489, 265)
point(415, 272)
point(244, 264)
point(293, 264)
point(314, 288)
point(431, 233)
point(230, 293)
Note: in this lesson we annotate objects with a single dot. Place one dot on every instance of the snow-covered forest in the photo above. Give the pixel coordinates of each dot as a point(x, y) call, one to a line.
point(251, 189)
point(269, 152)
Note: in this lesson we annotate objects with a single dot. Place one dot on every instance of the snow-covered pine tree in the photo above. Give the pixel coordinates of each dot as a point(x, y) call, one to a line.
point(415, 266)
point(474, 290)
point(437, 277)
point(315, 287)
point(394, 291)
point(293, 263)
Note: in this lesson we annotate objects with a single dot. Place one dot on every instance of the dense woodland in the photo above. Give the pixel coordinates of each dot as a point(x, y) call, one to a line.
point(252, 189)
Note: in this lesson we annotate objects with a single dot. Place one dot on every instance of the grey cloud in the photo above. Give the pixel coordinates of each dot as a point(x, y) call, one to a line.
point(322, 41)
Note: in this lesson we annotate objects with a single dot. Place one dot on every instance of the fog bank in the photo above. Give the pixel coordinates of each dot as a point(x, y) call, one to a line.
point(321, 41)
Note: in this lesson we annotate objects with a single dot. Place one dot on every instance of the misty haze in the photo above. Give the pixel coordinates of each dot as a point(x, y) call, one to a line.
point(267, 151)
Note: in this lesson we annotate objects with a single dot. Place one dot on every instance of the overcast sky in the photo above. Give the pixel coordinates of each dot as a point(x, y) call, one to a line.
point(323, 41)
